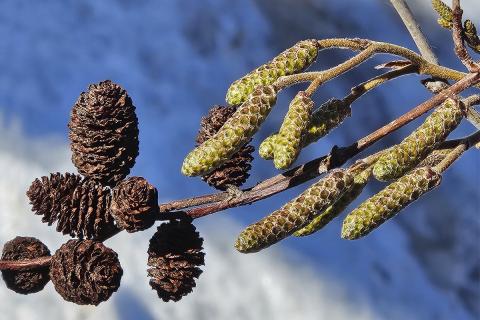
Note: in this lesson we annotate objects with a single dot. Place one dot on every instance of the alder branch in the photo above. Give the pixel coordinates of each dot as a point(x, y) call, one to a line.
point(316, 167)
point(465, 144)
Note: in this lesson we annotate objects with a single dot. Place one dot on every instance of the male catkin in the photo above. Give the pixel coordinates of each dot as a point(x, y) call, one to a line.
point(388, 202)
point(414, 148)
point(288, 142)
point(294, 214)
point(234, 134)
point(321, 220)
point(291, 61)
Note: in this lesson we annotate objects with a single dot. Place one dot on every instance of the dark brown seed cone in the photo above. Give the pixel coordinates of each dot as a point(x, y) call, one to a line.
point(80, 207)
point(236, 170)
point(24, 248)
point(134, 204)
point(174, 256)
point(85, 272)
point(104, 133)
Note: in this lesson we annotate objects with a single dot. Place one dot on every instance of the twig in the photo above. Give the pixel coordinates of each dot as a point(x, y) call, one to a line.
point(473, 116)
point(457, 33)
point(465, 144)
point(22, 265)
point(414, 29)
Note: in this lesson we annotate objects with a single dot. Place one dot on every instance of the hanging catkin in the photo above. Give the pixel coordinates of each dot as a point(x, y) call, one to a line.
point(233, 135)
point(294, 214)
point(291, 61)
point(414, 148)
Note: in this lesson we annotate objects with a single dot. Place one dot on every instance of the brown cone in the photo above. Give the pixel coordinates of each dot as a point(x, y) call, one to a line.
point(85, 272)
point(236, 170)
point(24, 248)
point(174, 256)
point(104, 133)
point(134, 204)
point(80, 207)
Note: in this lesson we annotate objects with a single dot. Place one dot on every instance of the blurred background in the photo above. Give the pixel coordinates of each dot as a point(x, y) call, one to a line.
point(176, 59)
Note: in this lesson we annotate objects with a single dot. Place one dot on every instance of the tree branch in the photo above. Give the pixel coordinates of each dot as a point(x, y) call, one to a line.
point(457, 32)
point(23, 265)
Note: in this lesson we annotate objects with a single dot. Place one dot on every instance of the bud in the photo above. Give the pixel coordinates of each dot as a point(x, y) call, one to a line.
point(291, 61)
point(294, 214)
point(388, 202)
point(414, 148)
point(321, 220)
point(234, 134)
point(288, 142)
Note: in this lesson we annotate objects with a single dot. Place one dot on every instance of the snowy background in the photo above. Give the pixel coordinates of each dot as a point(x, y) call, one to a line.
point(176, 59)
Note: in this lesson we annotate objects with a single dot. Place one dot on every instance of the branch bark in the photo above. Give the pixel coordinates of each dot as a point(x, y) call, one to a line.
point(24, 265)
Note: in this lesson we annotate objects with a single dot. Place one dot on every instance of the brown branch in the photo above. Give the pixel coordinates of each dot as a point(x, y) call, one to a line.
point(457, 32)
point(465, 144)
point(23, 265)
point(336, 158)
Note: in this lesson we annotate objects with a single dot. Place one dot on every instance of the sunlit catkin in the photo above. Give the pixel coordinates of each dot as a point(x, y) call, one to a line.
point(267, 147)
point(414, 148)
point(321, 220)
point(234, 134)
point(294, 214)
point(388, 202)
point(291, 61)
point(288, 142)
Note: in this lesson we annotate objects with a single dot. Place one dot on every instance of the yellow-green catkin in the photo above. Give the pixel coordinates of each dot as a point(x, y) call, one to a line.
point(471, 35)
point(234, 134)
point(291, 61)
point(288, 142)
point(326, 118)
point(266, 147)
point(445, 13)
point(323, 120)
point(321, 220)
point(294, 214)
point(414, 148)
point(435, 157)
point(388, 202)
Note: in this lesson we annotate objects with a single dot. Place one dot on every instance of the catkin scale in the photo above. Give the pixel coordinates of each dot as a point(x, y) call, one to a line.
point(294, 214)
point(388, 202)
point(322, 219)
point(414, 148)
point(288, 142)
point(291, 61)
point(234, 134)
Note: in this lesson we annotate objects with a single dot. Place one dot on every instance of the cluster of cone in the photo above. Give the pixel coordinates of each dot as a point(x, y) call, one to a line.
point(96, 204)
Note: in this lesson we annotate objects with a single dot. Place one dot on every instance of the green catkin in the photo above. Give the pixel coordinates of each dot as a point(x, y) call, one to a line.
point(234, 134)
point(291, 61)
point(414, 148)
point(323, 120)
point(326, 118)
point(266, 147)
point(471, 35)
point(388, 202)
point(288, 142)
point(321, 220)
point(435, 157)
point(445, 13)
point(294, 214)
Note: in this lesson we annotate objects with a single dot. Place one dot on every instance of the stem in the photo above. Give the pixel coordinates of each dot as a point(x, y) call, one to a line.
point(457, 29)
point(465, 144)
point(24, 265)
point(414, 29)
